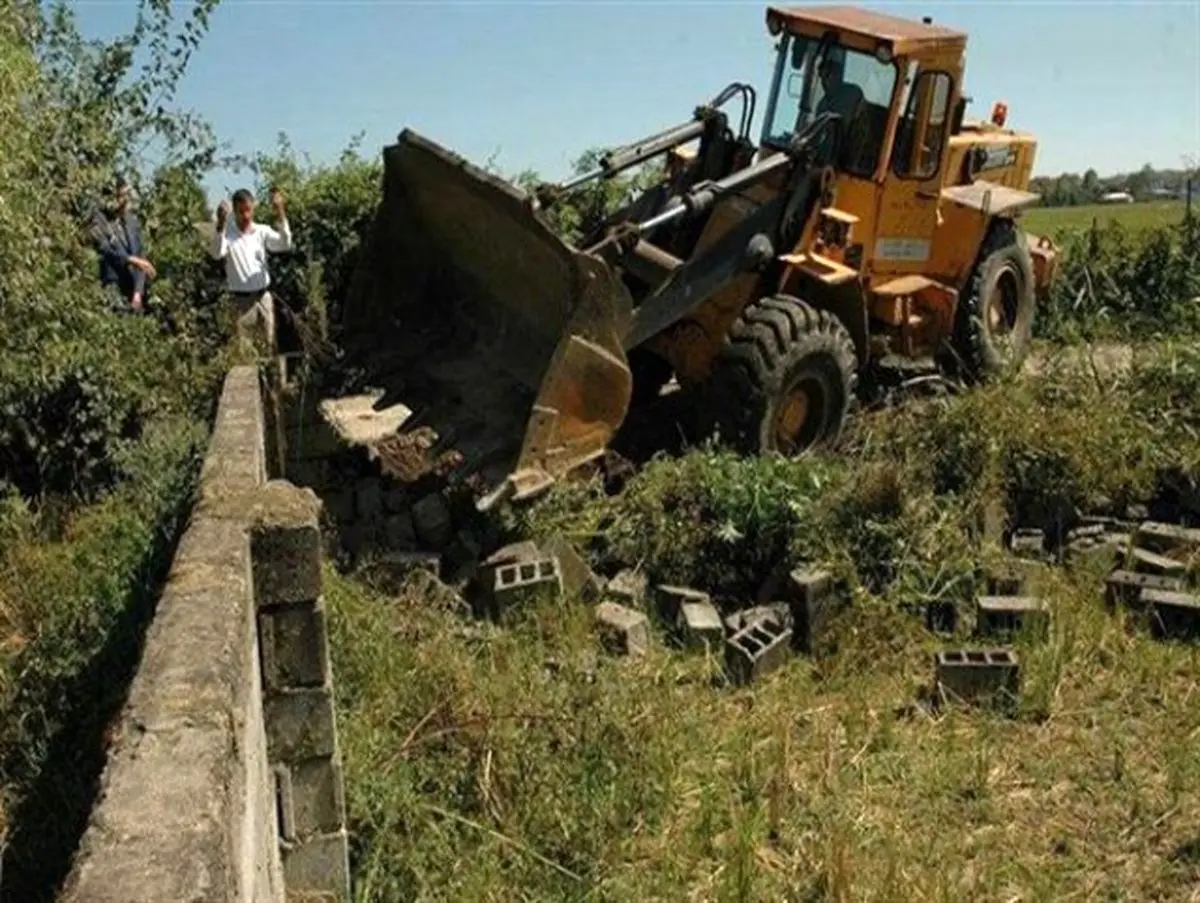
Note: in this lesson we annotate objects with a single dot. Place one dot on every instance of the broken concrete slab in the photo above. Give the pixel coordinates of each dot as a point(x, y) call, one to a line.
point(700, 625)
point(669, 600)
point(1007, 615)
point(814, 599)
point(1173, 615)
point(978, 676)
point(781, 611)
point(622, 630)
point(1147, 562)
point(525, 550)
point(1125, 588)
point(1028, 542)
point(628, 587)
point(757, 649)
point(1169, 539)
point(578, 580)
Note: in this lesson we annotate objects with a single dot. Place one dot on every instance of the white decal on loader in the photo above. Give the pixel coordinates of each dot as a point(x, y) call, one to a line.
point(912, 249)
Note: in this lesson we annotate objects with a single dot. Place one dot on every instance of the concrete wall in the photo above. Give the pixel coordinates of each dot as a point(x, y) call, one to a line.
point(190, 803)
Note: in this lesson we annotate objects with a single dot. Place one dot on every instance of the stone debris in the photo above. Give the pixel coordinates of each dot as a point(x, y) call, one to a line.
point(669, 600)
point(1125, 588)
point(700, 625)
point(1006, 615)
point(1169, 539)
point(780, 611)
point(814, 600)
point(977, 676)
point(526, 550)
point(629, 587)
point(503, 587)
point(578, 580)
point(1147, 562)
point(1028, 543)
point(622, 630)
point(757, 649)
point(1005, 580)
point(1173, 615)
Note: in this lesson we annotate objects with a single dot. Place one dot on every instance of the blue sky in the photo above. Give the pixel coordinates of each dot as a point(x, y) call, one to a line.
point(1109, 85)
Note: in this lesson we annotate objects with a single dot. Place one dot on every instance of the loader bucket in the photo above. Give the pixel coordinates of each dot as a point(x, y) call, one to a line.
point(503, 341)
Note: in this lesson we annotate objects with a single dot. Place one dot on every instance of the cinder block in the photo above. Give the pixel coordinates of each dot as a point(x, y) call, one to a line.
point(285, 545)
point(578, 580)
point(299, 724)
point(977, 676)
point(757, 649)
point(1169, 539)
point(941, 616)
point(1147, 562)
point(628, 587)
point(433, 522)
point(1028, 543)
point(318, 865)
point(525, 550)
point(780, 611)
point(294, 646)
point(670, 599)
point(622, 630)
point(1005, 580)
point(814, 600)
point(700, 624)
point(1173, 615)
point(1125, 588)
point(1012, 614)
point(1102, 551)
point(312, 797)
point(507, 586)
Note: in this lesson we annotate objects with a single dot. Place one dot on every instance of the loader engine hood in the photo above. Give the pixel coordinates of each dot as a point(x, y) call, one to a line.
point(503, 341)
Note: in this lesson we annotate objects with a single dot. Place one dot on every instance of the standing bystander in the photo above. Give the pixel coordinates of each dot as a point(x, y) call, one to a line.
point(243, 245)
point(118, 238)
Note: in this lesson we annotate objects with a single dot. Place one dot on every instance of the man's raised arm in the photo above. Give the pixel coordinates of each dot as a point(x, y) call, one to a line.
point(220, 245)
point(280, 239)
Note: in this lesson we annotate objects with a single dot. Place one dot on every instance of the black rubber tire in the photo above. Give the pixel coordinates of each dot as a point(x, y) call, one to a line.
point(1003, 256)
point(777, 344)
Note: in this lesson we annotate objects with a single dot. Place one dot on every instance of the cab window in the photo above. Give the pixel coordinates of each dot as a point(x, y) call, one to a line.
point(922, 131)
point(812, 78)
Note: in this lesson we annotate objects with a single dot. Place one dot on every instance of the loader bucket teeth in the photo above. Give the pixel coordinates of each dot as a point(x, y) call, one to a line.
point(487, 318)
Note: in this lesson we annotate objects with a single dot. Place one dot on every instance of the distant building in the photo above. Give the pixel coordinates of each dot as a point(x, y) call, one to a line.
point(1116, 197)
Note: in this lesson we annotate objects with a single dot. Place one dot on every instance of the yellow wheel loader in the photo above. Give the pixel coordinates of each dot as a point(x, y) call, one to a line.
point(870, 226)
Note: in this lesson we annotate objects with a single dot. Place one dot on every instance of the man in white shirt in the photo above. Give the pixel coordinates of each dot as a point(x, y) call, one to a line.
point(243, 244)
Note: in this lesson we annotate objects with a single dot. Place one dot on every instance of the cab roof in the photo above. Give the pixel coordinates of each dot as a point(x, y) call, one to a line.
point(904, 35)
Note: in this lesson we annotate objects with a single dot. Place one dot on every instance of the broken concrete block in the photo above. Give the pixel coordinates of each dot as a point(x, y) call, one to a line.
point(299, 724)
point(700, 624)
point(622, 630)
point(310, 796)
point(978, 675)
point(506, 586)
point(756, 649)
point(670, 599)
point(578, 580)
point(1005, 580)
point(814, 600)
point(1147, 562)
point(780, 611)
point(1173, 615)
point(1012, 614)
point(1028, 543)
point(629, 587)
point(525, 550)
point(285, 544)
point(319, 866)
point(1090, 530)
point(1169, 539)
point(294, 646)
point(432, 521)
point(1124, 588)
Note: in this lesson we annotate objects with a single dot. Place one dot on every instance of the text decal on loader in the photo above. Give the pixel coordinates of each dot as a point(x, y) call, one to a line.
point(909, 249)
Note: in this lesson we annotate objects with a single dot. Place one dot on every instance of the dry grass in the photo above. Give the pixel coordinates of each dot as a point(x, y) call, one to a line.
point(518, 762)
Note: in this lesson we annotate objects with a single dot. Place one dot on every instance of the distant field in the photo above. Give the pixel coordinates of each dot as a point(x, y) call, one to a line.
point(1132, 216)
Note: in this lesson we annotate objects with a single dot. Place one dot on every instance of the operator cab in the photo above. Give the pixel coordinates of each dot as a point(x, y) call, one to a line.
point(815, 76)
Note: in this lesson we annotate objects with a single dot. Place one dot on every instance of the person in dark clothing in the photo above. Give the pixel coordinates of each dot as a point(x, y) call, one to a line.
point(118, 237)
